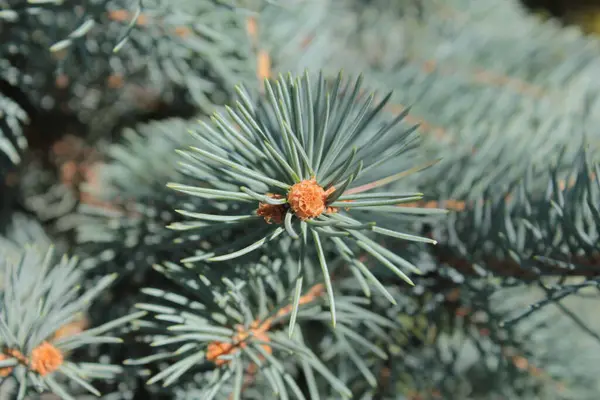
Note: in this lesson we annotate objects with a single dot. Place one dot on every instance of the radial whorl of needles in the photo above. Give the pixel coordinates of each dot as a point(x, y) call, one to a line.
point(299, 160)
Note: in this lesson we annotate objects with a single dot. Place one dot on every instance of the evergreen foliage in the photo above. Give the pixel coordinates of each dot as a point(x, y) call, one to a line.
point(40, 301)
point(311, 199)
point(13, 142)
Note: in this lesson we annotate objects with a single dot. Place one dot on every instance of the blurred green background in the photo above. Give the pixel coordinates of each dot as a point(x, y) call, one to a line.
point(585, 13)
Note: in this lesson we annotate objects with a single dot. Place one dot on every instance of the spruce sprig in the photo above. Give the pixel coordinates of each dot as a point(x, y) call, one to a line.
point(41, 297)
point(230, 329)
point(300, 160)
